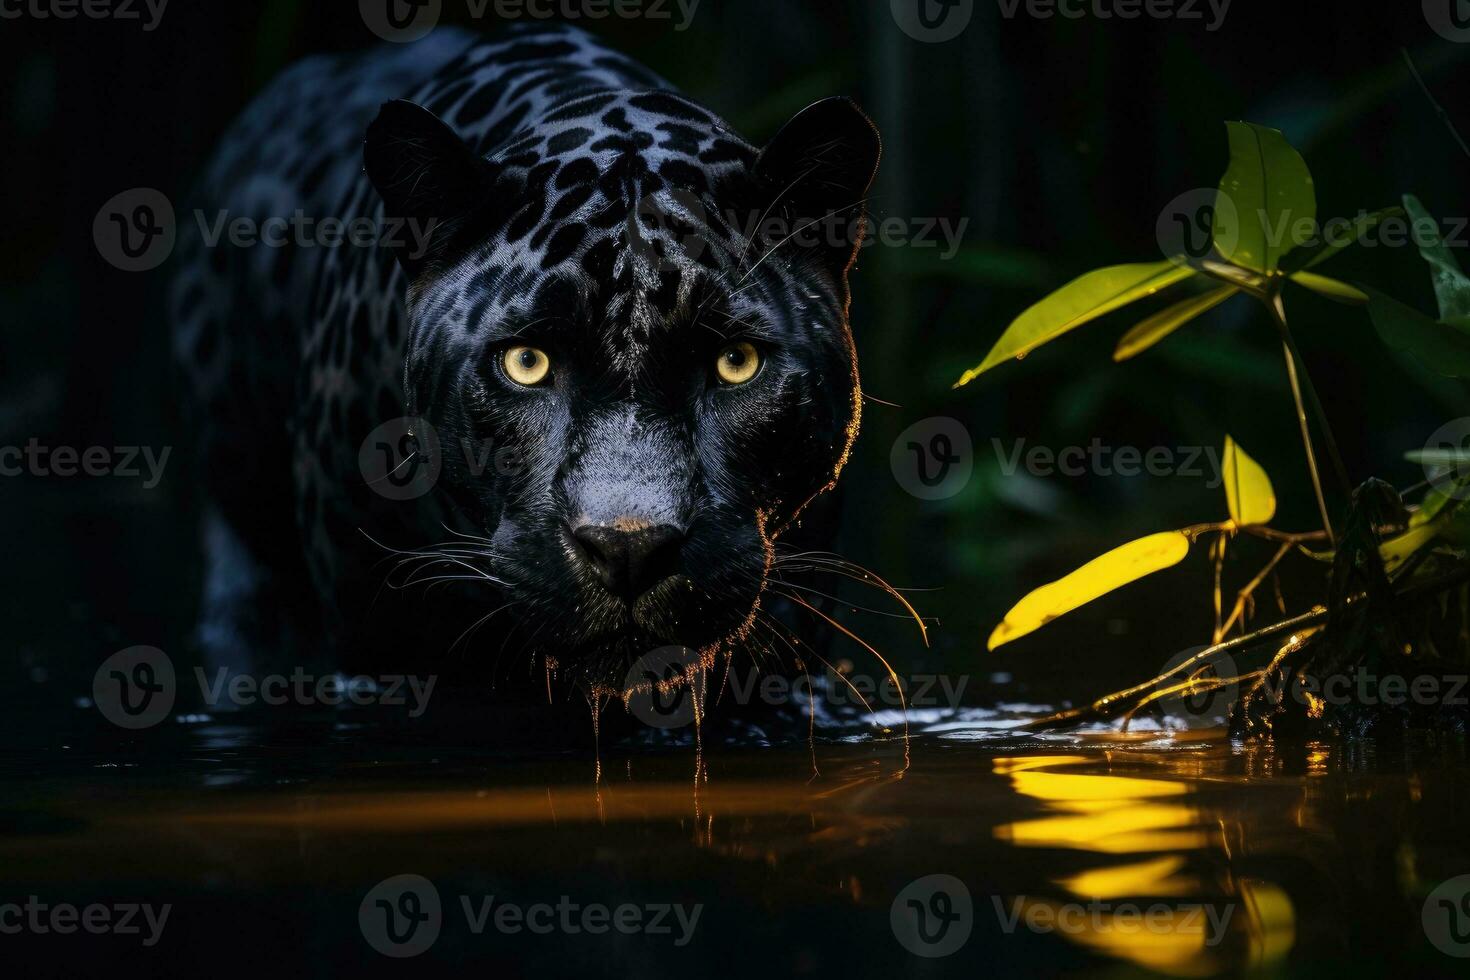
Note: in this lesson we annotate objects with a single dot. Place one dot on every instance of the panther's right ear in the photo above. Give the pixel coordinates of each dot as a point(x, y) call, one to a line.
point(819, 168)
point(430, 179)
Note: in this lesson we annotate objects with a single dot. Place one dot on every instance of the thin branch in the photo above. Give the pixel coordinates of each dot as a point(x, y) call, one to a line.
point(1439, 110)
point(1245, 594)
point(1312, 617)
point(1293, 356)
point(1218, 552)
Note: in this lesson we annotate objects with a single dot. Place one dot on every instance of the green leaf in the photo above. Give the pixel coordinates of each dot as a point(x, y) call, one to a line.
point(1248, 491)
point(1439, 457)
point(1435, 501)
point(1124, 564)
point(1166, 321)
point(1083, 299)
point(1451, 287)
point(1267, 191)
point(1440, 346)
point(1331, 288)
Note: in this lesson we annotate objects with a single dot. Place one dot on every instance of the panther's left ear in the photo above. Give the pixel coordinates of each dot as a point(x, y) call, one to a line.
point(818, 169)
point(428, 177)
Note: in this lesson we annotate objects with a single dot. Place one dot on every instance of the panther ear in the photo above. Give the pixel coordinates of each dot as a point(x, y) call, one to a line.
point(429, 179)
point(818, 169)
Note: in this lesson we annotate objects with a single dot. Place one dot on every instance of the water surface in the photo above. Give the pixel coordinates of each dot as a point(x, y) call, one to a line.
point(1091, 853)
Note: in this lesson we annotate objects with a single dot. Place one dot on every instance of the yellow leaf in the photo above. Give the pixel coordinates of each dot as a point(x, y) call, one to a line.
point(1124, 564)
point(1425, 526)
point(1331, 288)
point(1248, 491)
point(1165, 322)
point(1085, 298)
point(1396, 550)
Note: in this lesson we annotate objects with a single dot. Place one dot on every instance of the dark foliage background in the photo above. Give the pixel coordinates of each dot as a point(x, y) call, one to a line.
point(1060, 140)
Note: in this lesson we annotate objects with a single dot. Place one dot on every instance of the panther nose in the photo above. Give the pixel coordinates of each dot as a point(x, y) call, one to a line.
point(629, 563)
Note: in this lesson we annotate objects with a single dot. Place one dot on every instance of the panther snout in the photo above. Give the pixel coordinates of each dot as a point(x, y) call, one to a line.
point(629, 563)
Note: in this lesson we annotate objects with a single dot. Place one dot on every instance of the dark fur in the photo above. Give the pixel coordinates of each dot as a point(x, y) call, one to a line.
point(580, 205)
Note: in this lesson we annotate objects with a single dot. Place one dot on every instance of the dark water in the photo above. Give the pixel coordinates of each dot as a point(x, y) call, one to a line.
point(1180, 855)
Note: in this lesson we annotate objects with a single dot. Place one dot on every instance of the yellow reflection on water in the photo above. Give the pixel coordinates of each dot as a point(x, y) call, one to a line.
point(1109, 814)
point(1159, 876)
point(1172, 942)
point(1155, 910)
point(1272, 921)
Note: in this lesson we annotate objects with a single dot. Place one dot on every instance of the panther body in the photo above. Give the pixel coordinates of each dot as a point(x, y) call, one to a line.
point(536, 195)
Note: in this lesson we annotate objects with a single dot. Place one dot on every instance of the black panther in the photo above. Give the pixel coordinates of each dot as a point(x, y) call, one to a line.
point(615, 333)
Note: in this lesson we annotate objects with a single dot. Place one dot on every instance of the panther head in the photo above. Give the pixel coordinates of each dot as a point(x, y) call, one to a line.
point(651, 316)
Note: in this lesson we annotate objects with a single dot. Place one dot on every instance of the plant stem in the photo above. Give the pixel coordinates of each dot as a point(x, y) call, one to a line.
point(1293, 356)
point(1313, 400)
point(1317, 614)
point(1301, 417)
point(1245, 594)
point(1439, 111)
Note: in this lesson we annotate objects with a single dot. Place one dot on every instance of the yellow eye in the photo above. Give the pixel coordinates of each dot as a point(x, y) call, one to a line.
point(526, 365)
point(738, 363)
